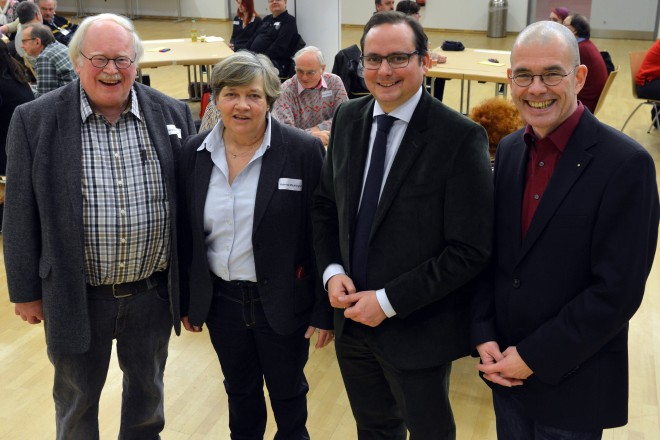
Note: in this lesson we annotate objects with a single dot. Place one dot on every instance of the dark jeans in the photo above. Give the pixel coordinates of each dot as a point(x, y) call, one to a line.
point(141, 324)
point(249, 352)
point(650, 90)
point(386, 401)
point(514, 424)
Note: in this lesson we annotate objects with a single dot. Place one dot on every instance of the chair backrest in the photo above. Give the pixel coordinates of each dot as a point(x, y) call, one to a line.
point(606, 88)
point(636, 59)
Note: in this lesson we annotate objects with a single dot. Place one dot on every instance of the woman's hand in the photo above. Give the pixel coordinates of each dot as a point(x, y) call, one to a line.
point(188, 326)
point(324, 338)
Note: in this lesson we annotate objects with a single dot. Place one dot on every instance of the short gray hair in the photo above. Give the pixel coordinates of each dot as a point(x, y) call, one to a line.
point(40, 31)
point(544, 33)
point(241, 69)
point(55, 3)
point(75, 46)
point(308, 49)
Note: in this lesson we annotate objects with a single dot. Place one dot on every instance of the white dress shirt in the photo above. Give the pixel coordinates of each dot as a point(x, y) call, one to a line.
point(229, 210)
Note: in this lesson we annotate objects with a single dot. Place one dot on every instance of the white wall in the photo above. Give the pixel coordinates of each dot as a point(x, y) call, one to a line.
point(165, 8)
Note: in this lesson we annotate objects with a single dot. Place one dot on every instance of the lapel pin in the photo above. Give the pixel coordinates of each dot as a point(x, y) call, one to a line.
point(579, 165)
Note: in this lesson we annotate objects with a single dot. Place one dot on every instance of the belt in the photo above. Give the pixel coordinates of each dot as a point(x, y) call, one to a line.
point(125, 290)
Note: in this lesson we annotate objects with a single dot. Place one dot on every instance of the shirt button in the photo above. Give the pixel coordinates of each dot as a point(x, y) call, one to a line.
point(120, 183)
point(516, 283)
point(123, 240)
point(116, 155)
point(121, 265)
point(541, 163)
point(536, 197)
point(123, 212)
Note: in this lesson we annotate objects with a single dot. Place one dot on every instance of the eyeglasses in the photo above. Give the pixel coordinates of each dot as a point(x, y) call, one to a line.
point(28, 39)
point(99, 61)
point(306, 72)
point(395, 60)
point(549, 78)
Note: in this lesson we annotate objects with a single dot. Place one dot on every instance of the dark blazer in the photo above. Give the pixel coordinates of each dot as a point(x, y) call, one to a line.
point(276, 38)
point(43, 224)
point(564, 294)
point(432, 230)
point(240, 36)
point(281, 236)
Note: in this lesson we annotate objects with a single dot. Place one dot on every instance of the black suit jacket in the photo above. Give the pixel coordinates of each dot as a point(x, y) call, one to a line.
point(281, 235)
point(564, 294)
point(432, 229)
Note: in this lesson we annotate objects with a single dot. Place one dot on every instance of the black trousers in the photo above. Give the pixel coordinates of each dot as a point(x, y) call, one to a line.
point(251, 352)
point(386, 402)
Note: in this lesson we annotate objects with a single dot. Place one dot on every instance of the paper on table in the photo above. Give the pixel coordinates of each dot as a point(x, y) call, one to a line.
point(211, 39)
point(488, 63)
point(156, 49)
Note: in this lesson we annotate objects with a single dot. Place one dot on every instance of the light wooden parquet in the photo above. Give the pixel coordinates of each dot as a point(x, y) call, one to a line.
point(196, 406)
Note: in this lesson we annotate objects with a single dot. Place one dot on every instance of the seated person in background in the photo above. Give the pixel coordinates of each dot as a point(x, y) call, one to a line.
point(62, 28)
point(499, 117)
point(411, 8)
point(384, 5)
point(54, 68)
point(558, 15)
point(246, 24)
point(276, 37)
point(310, 98)
point(648, 77)
point(589, 56)
point(28, 13)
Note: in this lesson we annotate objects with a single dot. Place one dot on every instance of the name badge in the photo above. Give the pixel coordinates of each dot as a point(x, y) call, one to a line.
point(65, 31)
point(290, 184)
point(277, 25)
point(326, 94)
point(171, 129)
point(236, 23)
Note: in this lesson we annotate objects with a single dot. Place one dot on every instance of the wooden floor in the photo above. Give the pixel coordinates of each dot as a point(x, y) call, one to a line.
point(195, 400)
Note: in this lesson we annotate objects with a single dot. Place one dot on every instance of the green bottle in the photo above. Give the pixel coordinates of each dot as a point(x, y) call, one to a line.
point(193, 31)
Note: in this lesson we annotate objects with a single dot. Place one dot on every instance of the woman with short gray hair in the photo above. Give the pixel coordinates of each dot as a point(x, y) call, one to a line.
point(248, 265)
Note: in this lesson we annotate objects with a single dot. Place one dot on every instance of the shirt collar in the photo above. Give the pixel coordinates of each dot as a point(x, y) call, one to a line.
point(321, 85)
point(560, 135)
point(403, 112)
point(86, 109)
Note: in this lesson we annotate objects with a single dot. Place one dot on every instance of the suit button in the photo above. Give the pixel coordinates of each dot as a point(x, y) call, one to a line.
point(516, 283)
point(264, 281)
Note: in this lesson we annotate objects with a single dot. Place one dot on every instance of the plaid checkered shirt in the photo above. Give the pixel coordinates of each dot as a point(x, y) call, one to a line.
point(126, 212)
point(54, 68)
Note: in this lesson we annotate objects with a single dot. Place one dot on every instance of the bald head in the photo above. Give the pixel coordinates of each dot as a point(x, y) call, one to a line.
point(547, 33)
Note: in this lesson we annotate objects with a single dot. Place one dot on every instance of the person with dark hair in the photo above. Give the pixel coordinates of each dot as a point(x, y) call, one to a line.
point(54, 68)
point(246, 23)
point(14, 91)
point(576, 229)
point(27, 13)
point(589, 56)
point(409, 7)
point(276, 37)
point(248, 268)
point(558, 15)
point(402, 223)
point(384, 5)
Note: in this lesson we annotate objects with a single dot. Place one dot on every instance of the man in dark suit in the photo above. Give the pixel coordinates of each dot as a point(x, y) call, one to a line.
point(401, 313)
point(276, 37)
point(576, 224)
point(89, 228)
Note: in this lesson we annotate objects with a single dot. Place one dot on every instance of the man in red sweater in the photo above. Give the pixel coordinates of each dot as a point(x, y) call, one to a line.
point(648, 78)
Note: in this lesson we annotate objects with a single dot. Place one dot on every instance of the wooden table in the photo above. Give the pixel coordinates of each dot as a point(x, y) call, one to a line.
point(183, 52)
point(473, 65)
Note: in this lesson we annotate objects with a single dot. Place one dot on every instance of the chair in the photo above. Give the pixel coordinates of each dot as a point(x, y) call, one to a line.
point(606, 88)
point(347, 67)
point(636, 59)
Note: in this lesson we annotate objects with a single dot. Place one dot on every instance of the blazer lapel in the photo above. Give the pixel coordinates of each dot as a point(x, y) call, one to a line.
point(357, 157)
point(158, 133)
point(69, 144)
point(574, 160)
point(202, 176)
point(513, 191)
point(272, 164)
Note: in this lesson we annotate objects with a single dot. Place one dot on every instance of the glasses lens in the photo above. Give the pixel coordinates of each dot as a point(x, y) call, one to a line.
point(523, 80)
point(123, 62)
point(397, 61)
point(372, 61)
point(99, 61)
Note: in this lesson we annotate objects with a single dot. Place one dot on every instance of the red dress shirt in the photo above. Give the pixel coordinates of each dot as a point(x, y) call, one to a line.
point(544, 154)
